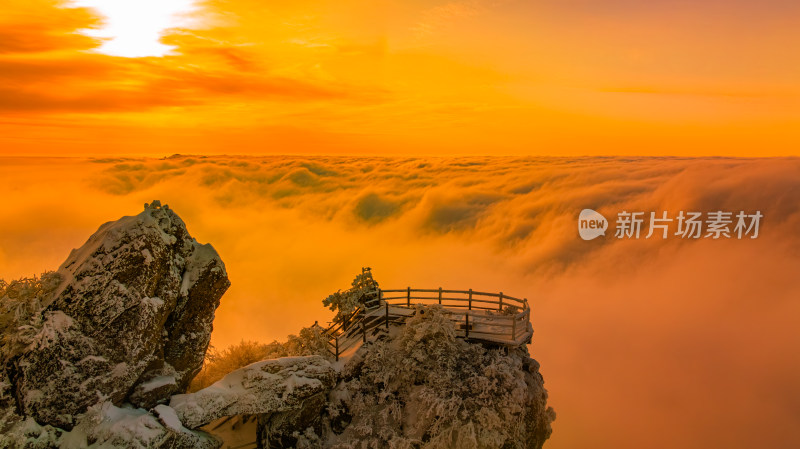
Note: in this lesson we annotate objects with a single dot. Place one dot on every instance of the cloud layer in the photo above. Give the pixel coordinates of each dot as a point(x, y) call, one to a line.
point(643, 343)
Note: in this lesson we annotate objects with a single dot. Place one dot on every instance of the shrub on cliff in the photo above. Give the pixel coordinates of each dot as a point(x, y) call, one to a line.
point(345, 302)
point(21, 302)
point(310, 341)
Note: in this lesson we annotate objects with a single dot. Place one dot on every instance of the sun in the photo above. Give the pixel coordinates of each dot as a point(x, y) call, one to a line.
point(133, 28)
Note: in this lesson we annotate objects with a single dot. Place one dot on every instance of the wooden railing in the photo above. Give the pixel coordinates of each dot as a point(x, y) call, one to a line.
point(492, 317)
point(469, 299)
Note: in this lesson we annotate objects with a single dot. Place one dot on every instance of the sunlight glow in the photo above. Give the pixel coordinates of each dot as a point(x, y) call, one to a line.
point(133, 28)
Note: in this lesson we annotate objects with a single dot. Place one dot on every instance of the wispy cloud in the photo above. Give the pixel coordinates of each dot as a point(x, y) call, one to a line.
point(44, 70)
point(34, 26)
point(439, 18)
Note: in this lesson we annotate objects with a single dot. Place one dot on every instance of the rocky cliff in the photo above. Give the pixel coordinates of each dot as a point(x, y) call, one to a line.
point(421, 387)
point(100, 353)
point(126, 324)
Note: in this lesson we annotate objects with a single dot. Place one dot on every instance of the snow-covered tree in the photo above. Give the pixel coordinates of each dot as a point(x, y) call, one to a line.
point(21, 303)
point(363, 287)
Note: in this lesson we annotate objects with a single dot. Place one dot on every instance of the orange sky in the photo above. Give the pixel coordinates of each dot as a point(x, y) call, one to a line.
point(398, 77)
point(642, 345)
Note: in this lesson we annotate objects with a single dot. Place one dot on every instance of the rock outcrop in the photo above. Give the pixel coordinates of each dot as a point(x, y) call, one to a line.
point(285, 430)
point(100, 355)
point(108, 426)
point(272, 386)
point(420, 386)
point(130, 321)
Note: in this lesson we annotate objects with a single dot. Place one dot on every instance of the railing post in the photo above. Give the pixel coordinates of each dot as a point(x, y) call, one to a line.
point(380, 296)
point(466, 328)
point(336, 339)
point(470, 299)
point(408, 298)
point(514, 328)
point(363, 329)
point(501, 301)
point(387, 316)
point(440, 296)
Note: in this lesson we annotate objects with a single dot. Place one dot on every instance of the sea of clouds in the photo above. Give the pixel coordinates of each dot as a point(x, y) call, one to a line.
point(654, 343)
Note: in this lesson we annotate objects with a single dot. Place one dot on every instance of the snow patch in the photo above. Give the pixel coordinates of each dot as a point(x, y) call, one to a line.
point(153, 302)
point(148, 258)
point(202, 256)
point(56, 323)
point(167, 416)
point(262, 387)
point(156, 382)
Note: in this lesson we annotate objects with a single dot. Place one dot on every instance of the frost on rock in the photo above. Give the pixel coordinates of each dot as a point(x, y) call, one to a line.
point(108, 426)
point(98, 355)
point(129, 321)
point(265, 387)
point(29, 434)
point(421, 387)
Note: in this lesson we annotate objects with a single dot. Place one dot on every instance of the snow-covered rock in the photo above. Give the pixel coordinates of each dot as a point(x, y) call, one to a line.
point(130, 321)
point(266, 387)
point(422, 387)
point(108, 426)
